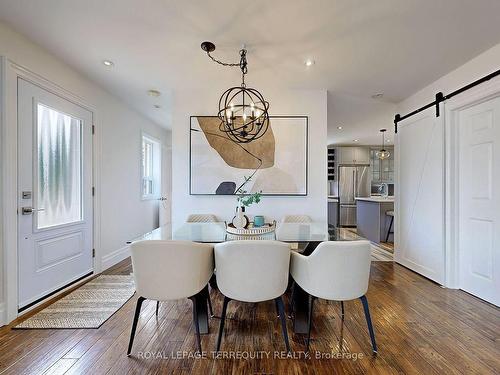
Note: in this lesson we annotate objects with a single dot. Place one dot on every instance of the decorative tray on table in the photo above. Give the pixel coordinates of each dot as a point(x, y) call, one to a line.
point(250, 230)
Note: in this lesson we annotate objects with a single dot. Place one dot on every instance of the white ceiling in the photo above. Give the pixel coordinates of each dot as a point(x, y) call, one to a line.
point(361, 119)
point(360, 47)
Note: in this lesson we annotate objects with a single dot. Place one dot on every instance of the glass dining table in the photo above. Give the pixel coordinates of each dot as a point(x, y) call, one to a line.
point(303, 238)
point(215, 232)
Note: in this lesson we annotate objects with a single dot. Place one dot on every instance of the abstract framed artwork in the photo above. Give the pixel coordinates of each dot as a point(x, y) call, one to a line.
point(277, 161)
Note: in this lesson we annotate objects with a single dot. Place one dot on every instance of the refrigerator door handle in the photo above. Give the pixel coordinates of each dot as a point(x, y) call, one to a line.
point(354, 184)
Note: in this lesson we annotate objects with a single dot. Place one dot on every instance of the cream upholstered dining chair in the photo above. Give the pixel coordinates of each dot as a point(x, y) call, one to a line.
point(170, 270)
point(252, 271)
point(335, 271)
point(202, 218)
point(296, 219)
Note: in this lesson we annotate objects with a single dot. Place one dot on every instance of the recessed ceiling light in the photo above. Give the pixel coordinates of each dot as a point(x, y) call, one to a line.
point(309, 62)
point(387, 140)
point(157, 106)
point(108, 63)
point(339, 127)
point(154, 93)
point(356, 140)
point(378, 95)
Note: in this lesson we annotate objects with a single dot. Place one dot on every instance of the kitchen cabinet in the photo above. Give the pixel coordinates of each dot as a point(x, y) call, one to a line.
point(361, 155)
point(382, 170)
point(346, 155)
point(332, 212)
point(354, 155)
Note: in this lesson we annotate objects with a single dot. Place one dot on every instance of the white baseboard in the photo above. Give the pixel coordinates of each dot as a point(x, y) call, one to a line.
point(3, 315)
point(116, 256)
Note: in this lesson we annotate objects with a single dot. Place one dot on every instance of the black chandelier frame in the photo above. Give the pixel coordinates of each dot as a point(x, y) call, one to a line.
point(248, 119)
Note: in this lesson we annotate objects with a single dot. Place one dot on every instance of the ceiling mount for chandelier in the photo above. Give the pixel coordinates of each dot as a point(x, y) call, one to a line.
point(383, 154)
point(243, 111)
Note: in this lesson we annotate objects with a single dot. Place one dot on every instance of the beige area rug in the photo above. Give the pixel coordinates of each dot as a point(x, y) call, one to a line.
point(89, 306)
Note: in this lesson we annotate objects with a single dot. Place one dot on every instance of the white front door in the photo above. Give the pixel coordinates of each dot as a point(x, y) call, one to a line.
point(54, 193)
point(479, 200)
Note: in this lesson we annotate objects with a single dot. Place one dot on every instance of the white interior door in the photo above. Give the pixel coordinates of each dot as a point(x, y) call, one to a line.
point(165, 210)
point(420, 195)
point(479, 200)
point(55, 193)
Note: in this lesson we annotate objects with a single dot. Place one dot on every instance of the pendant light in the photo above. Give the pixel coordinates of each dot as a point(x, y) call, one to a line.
point(383, 154)
point(243, 111)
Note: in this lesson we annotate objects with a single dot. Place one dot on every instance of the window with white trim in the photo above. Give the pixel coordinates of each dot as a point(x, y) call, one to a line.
point(151, 160)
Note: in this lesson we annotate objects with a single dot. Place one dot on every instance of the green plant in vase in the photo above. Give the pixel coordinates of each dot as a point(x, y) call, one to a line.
point(243, 200)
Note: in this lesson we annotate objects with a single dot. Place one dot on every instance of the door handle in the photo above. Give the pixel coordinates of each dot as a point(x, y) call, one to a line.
point(30, 210)
point(354, 185)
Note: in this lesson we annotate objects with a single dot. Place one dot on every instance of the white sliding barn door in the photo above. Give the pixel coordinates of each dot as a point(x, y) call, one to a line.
point(420, 194)
point(479, 200)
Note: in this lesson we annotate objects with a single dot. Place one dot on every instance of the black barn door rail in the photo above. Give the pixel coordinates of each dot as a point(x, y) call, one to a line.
point(440, 97)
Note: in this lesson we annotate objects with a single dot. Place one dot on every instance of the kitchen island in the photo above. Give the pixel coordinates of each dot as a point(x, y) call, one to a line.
point(333, 201)
point(372, 222)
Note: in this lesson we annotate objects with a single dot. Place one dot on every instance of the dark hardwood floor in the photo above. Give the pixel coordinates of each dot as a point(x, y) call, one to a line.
point(421, 328)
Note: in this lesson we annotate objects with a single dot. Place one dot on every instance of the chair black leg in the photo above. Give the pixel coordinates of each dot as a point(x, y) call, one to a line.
point(196, 324)
point(342, 308)
point(281, 311)
point(134, 323)
point(290, 305)
point(369, 322)
point(310, 317)
point(389, 230)
point(157, 307)
point(222, 320)
point(210, 304)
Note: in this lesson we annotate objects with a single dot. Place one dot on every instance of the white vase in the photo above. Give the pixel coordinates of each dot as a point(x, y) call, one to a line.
point(240, 221)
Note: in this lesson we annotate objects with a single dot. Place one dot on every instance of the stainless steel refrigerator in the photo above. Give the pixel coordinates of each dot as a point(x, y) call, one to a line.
point(354, 181)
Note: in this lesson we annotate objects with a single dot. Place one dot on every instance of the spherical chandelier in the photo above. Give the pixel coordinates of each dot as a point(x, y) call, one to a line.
point(243, 111)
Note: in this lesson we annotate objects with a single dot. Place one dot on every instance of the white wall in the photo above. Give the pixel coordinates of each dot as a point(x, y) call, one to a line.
point(481, 65)
point(312, 103)
point(123, 214)
point(2, 257)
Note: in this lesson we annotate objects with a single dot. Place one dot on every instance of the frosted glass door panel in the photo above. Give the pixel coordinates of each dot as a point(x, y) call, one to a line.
point(58, 176)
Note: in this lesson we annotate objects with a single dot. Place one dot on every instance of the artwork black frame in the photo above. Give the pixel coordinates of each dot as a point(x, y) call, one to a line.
point(306, 118)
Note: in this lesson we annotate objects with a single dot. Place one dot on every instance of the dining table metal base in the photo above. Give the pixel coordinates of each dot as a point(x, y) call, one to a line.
point(300, 306)
point(200, 300)
point(300, 298)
